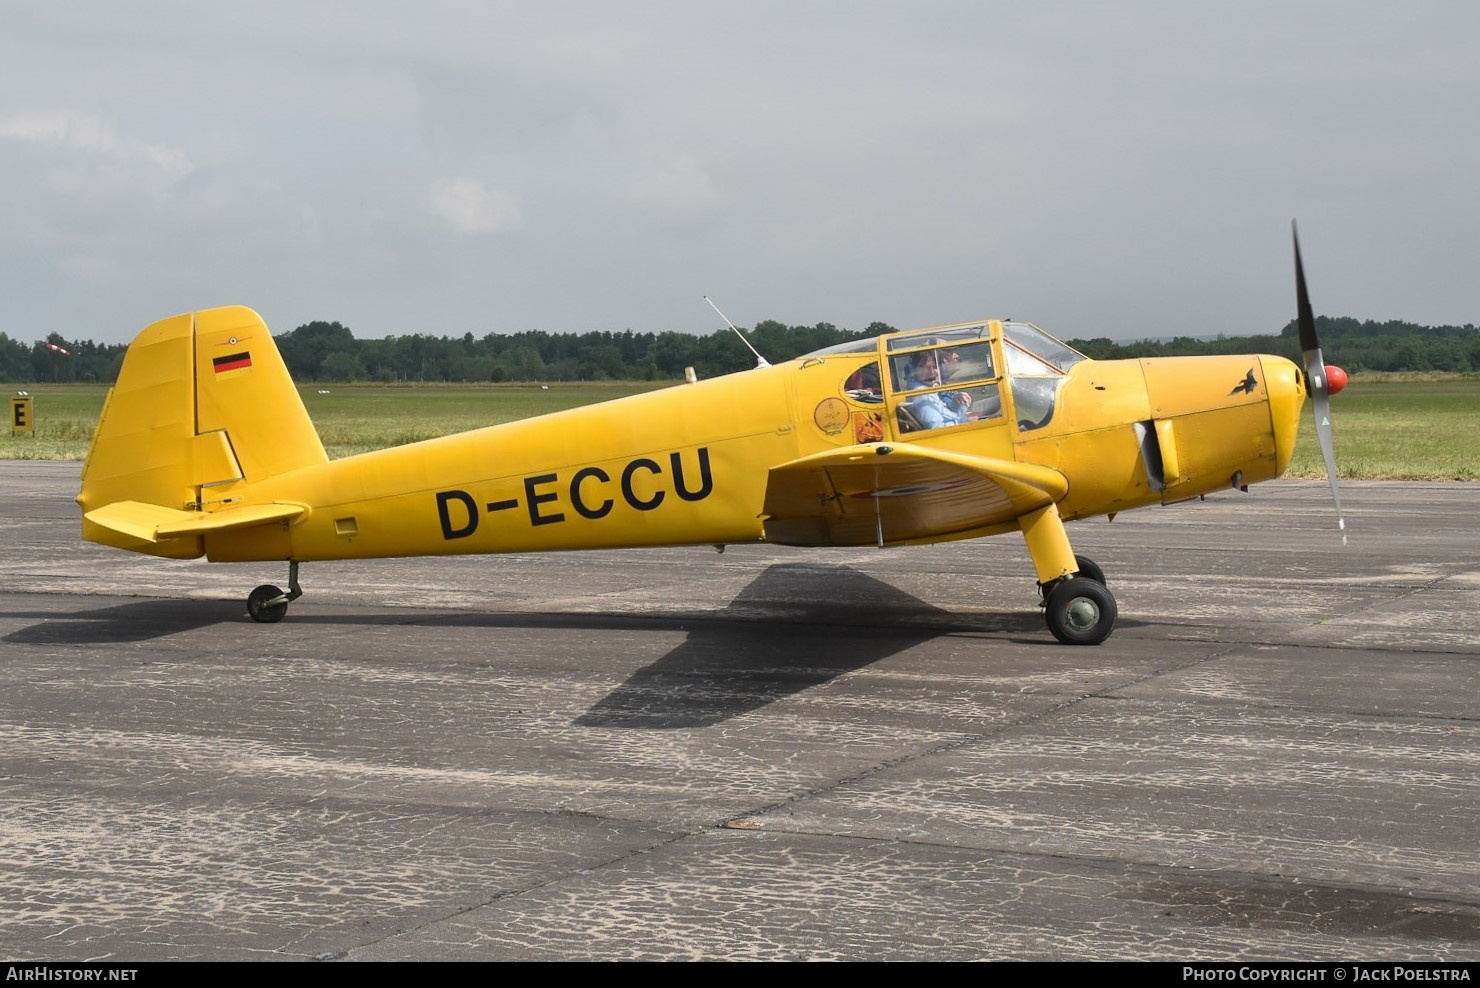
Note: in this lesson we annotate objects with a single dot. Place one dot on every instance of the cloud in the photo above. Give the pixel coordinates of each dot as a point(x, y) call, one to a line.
point(471, 209)
point(681, 190)
point(93, 135)
point(1108, 170)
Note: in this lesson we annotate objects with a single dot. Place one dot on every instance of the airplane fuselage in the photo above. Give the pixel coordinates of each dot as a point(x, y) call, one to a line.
point(690, 464)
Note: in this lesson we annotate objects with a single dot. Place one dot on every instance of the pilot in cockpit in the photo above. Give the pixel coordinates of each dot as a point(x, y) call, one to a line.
point(939, 408)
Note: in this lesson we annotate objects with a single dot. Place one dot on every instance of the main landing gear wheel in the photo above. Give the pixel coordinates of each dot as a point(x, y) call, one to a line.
point(267, 604)
point(1079, 611)
point(1090, 570)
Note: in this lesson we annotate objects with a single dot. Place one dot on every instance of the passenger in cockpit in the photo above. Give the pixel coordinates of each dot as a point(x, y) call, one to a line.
point(864, 384)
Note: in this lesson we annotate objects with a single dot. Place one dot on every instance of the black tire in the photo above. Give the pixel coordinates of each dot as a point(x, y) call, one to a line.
point(259, 608)
point(1090, 570)
point(1080, 611)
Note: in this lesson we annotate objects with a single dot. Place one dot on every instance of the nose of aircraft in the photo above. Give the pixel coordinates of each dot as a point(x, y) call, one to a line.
point(1286, 387)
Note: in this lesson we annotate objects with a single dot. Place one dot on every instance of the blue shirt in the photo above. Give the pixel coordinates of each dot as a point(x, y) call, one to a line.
point(933, 412)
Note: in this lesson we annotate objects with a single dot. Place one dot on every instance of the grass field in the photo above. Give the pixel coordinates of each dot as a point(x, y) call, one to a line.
point(1399, 427)
point(1387, 427)
point(350, 418)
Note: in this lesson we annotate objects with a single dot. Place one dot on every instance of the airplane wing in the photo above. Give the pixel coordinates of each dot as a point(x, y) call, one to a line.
point(881, 493)
point(153, 523)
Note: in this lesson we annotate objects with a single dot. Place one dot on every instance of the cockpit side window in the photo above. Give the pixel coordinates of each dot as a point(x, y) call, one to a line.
point(943, 378)
point(864, 384)
point(1034, 398)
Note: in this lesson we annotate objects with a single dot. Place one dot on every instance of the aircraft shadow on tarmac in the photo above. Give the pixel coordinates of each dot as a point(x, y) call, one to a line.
point(137, 621)
point(793, 627)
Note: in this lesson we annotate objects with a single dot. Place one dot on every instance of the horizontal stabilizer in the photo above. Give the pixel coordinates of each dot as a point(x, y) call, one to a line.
point(153, 523)
point(879, 493)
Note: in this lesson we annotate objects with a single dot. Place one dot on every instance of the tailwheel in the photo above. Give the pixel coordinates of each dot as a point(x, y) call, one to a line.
point(1079, 611)
point(267, 604)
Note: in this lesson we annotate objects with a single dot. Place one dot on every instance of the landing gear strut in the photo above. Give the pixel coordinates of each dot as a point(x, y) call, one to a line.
point(1077, 605)
point(267, 604)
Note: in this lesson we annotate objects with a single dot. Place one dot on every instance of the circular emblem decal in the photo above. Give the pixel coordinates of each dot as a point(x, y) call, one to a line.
point(831, 415)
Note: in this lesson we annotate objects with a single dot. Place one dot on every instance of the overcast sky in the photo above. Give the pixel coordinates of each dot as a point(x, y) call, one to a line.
point(1120, 169)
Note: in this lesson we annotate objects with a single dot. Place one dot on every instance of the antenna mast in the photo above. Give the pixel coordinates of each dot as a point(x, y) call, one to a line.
point(759, 360)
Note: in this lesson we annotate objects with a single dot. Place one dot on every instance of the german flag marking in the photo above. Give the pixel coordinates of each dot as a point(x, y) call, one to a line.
point(231, 362)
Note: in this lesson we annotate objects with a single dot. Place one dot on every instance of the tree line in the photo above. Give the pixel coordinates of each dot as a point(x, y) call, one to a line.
point(1354, 345)
point(327, 352)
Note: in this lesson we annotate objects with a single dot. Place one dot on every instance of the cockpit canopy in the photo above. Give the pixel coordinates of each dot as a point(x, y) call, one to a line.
point(952, 375)
point(1043, 353)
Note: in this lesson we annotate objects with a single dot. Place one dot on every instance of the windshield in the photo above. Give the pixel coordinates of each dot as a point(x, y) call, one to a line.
point(1037, 363)
point(1030, 350)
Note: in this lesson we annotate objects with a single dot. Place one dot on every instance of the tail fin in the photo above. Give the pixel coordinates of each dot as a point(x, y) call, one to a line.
point(203, 407)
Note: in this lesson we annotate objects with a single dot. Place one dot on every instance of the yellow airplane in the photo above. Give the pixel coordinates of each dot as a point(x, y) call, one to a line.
point(955, 432)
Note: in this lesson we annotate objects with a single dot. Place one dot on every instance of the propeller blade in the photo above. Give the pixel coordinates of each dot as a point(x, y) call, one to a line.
point(1316, 381)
